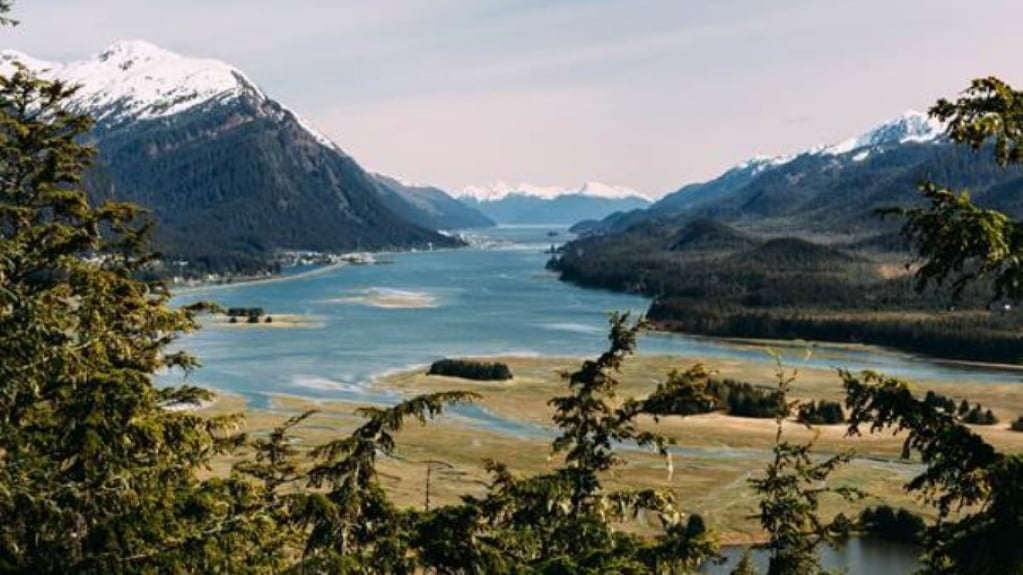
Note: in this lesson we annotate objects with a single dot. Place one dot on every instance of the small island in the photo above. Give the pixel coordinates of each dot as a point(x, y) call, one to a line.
point(471, 369)
point(257, 317)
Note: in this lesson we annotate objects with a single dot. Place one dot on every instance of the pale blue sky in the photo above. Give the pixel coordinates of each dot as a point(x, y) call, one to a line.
point(651, 94)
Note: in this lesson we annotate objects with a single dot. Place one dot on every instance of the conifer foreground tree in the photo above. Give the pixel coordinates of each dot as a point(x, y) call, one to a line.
point(96, 474)
point(564, 521)
point(790, 492)
point(977, 491)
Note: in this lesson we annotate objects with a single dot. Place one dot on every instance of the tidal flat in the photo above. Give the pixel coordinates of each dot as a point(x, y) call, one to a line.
point(713, 457)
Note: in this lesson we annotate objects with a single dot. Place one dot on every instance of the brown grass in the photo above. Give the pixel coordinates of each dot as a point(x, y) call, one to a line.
point(710, 476)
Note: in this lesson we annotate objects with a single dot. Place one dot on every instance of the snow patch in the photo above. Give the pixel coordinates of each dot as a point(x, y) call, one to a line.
point(911, 126)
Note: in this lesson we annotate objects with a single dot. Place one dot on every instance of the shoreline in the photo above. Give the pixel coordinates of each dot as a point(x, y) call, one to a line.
point(279, 278)
point(847, 347)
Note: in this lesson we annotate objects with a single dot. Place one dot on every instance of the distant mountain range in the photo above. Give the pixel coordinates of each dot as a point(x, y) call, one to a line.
point(428, 206)
point(834, 190)
point(230, 174)
point(532, 204)
point(792, 247)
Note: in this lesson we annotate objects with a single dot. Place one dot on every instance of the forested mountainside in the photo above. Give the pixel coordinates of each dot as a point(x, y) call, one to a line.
point(793, 247)
point(230, 175)
point(428, 206)
point(835, 190)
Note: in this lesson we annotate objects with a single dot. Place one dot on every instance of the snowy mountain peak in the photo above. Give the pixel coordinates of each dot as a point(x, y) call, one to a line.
point(910, 126)
point(137, 80)
point(500, 190)
point(759, 163)
point(130, 51)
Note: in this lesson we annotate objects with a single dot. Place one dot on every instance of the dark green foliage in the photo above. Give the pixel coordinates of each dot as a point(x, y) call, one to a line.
point(975, 415)
point(821, 413)
point(95, 474)
point(695, 391)
point(471, 369)
point(787, 289)
point(946, 404)
point(979, 416)
point(893, 524)
point(1017, 425)
point(562, 522)
point(351, 524)
point(963, 474)
point(246, 312)
point(590, 422)
point(970, 335)
point(684, 393)
point(955, 238)
point(841, 526)
point(743, 399)
point(790, 491)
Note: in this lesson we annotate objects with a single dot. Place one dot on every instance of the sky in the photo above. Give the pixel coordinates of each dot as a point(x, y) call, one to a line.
point(649, 94)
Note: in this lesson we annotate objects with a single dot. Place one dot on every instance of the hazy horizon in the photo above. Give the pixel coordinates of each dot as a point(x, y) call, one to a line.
point(647, 94)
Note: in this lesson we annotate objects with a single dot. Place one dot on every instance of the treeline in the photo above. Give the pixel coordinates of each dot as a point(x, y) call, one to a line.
point(741, 399)
point(703, 280)
point(975, 336)
point(694, 391)
point(821, 413)
point(975, 415)
point(471, 369)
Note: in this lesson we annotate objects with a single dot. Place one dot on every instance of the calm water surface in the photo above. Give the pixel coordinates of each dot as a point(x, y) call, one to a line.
point(859, 556)
point(495, 301)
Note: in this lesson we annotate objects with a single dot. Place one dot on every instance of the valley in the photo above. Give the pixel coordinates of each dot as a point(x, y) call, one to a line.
point(590, 329)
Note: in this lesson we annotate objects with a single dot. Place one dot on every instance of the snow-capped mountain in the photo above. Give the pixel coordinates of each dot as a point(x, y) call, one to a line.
point(554, 205)
point(909, 127)
point(134, 80)
point(230, 174)
point(833, 188)
point(500, 190)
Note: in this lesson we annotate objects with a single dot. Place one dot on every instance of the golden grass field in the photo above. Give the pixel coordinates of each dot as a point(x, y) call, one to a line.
point(716, 454)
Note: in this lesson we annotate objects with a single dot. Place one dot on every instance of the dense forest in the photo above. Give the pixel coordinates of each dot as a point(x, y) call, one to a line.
point(709, 278)
point(471, 369)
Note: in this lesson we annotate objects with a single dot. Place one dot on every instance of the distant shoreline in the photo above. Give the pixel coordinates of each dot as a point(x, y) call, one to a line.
point(278, 278)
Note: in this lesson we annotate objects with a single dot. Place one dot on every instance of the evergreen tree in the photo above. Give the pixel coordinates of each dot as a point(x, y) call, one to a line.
point(961, 242)
point(563, 521)
point(790, 492)
point(977, 491)
point(96, 474)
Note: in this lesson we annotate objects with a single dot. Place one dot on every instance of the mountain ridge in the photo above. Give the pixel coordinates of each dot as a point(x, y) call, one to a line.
point(230, 175)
